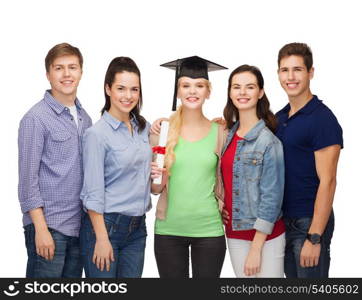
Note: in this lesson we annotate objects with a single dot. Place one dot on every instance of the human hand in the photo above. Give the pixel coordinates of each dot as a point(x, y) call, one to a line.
point(309, 255)
point(252, 262)
point(156, 126)
point(156, 171)
point(219, 120)
point(103, 254)
point(44, 244)
point(225, 216)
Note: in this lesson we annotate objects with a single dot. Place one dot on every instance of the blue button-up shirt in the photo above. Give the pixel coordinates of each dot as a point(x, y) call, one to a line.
point(310, 129)
point(117, 168)
point(50, 164)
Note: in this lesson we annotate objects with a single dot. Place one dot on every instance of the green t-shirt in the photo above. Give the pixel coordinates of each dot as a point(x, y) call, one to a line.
point(192, 207)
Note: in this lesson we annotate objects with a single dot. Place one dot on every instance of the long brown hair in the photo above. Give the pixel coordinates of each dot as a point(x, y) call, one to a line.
point(231, 113)
point(119, 65)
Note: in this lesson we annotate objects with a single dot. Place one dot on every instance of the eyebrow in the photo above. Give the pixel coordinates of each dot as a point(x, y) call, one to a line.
point(293, 67)
point(61, 65)
point(248, 84)
point(188, 82)
point(121, 85)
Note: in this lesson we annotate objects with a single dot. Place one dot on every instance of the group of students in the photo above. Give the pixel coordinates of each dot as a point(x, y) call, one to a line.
point(270, 179)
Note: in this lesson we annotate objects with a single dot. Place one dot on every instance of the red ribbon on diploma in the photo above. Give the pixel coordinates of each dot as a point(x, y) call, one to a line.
point(159, 150)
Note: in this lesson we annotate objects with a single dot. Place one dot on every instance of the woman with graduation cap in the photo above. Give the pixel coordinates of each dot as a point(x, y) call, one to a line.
point(188, 210)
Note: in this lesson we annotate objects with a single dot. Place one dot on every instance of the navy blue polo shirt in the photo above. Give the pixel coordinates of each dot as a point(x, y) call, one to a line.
point(310, 129)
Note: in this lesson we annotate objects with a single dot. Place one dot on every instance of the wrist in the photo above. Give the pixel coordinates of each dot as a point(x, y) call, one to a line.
point(102, 239)
point(314, 238)
point(41, 228)
point(256, 248)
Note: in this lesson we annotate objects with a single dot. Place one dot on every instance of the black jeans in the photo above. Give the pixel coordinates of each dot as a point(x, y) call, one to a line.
point(172, 256)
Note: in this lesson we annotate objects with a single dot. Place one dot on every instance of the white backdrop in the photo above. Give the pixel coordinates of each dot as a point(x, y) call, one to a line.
point(230, 33)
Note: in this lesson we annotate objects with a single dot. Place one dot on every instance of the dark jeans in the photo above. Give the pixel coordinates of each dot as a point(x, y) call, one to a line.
point(66, 262)
point(296, 234)
point(128, 238)
point(172, 256)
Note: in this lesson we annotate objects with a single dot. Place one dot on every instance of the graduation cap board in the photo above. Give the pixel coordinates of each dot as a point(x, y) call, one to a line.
point(193, 67)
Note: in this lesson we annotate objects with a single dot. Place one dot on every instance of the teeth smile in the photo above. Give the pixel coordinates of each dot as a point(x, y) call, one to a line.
point(243, 100)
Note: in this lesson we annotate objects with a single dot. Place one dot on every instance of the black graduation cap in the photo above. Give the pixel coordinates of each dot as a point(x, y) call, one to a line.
point(193, 67)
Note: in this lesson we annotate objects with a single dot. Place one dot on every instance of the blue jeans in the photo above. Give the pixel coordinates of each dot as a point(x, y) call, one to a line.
point(296, 234)
point(66, 262)
point(128, 238)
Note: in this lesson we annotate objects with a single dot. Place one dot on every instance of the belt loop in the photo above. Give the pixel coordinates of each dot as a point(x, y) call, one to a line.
point(118, 219)
point(130, 225)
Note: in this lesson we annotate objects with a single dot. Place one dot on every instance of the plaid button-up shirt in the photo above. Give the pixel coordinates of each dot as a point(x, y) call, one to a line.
point(50, 164)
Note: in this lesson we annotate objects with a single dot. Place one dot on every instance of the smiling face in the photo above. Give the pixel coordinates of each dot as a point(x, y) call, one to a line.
point(64, 75)
point(124, 94)
point(244, 91)
point(294, 76)
point(193, 92)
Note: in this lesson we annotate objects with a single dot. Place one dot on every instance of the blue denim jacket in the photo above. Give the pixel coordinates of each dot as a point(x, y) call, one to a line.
point(258, 179)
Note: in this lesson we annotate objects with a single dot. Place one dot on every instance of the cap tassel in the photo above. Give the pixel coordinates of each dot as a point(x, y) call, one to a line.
point(174, 103)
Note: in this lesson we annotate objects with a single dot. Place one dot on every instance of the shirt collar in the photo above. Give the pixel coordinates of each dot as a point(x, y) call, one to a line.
point(114, 123)
point(253, 133)
point(306, 109)
point(56, 105)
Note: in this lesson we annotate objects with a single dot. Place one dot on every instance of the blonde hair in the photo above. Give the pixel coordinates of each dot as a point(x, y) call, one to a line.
point(174, 132)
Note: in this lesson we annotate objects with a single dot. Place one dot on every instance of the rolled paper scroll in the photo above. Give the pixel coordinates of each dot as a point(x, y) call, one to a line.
point(160, 149)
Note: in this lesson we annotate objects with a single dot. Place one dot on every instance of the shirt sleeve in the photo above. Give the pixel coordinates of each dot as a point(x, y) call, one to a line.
point(326, 131)
point(30, 144)
point(93, 164)
point(271, 188)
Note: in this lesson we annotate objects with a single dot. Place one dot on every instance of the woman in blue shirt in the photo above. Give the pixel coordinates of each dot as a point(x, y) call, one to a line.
point(116, 190)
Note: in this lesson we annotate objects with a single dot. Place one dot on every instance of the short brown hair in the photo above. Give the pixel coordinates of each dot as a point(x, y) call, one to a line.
point(61, 50)
point(299, 49)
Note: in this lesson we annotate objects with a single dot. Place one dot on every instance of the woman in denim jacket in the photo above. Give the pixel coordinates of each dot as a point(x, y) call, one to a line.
point(253, 174)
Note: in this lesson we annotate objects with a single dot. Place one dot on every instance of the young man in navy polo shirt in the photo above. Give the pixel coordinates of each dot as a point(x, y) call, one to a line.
point(312, 140)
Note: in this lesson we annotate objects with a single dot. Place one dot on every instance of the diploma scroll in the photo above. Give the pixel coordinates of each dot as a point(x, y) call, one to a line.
point(160, 149)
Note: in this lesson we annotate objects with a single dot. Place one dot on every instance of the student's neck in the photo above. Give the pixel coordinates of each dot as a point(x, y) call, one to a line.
point(122, 117)
point(296, 103)
point(247, 120)
point(66, 100)
point(193, 118)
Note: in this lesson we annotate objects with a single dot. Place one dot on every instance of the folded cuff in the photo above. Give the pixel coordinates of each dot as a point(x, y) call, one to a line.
point(263, 226)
